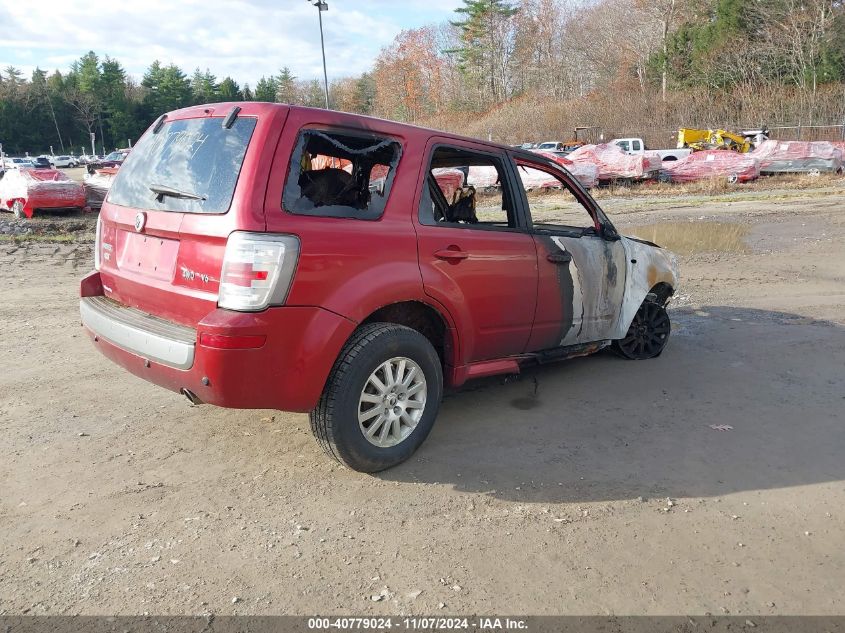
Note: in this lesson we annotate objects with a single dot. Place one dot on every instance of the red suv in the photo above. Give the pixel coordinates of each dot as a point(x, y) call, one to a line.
point(257, 255)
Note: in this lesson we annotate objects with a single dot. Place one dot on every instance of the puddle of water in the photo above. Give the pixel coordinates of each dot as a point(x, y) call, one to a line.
point(688, 238)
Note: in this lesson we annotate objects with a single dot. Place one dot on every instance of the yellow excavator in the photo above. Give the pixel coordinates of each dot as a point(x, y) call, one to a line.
point(696, 139)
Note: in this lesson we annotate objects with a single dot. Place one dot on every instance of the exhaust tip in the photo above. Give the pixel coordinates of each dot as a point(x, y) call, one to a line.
point(190, 395)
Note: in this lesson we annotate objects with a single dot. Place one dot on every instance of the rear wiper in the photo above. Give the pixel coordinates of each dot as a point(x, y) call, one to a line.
point(162, 190)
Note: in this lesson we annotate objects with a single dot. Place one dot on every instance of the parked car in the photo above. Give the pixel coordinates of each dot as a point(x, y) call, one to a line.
point(636, 146)
point(711, 164)
point(18, 163)
point(549, 146)
point(231, 269)
point(115, 159)
point(615, 165)
point(41, 162)
point(24, 191)
point(796, 157)
point(65, 161)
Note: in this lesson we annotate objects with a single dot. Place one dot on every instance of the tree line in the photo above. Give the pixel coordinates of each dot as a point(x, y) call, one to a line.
point(509, 70)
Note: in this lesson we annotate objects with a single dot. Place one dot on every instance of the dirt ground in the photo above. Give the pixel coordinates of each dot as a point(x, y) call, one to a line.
point(594, 486)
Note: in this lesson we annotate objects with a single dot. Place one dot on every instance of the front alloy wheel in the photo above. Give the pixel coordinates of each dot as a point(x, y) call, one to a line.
point(648, 333)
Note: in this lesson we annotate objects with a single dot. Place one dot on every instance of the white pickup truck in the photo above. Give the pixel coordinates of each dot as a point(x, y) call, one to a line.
point(637, 146)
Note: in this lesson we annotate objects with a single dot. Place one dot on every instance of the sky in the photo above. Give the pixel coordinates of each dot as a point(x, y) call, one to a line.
point(243, 39)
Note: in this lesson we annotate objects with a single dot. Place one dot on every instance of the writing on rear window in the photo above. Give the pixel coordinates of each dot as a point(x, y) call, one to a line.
point(189, 165)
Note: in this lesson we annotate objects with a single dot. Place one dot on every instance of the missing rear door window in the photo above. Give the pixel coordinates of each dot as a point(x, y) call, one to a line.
point(340, 174)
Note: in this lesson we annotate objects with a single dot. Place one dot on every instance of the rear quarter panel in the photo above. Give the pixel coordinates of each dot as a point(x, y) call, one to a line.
point(351, 267)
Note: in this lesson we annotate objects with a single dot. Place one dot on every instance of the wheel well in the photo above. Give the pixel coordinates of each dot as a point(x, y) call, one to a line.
point(662, 291)
point(420, 317)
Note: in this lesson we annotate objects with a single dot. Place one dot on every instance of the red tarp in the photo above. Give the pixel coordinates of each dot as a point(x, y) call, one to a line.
point(613, 163)
point(798, 156)
point(586, 173)
point(40, 189)
point(713, 163)
point(449, 180)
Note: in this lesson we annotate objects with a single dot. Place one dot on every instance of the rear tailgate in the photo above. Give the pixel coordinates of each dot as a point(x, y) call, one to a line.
point(180, 193)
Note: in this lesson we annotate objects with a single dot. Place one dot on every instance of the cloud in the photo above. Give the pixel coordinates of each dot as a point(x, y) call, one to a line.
point(243, 39)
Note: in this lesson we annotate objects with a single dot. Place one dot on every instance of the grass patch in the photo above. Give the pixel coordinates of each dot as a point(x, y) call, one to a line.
point(720, 186)
point(56, 238)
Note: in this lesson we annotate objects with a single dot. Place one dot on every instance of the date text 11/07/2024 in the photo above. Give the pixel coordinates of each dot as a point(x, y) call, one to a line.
point(417, 623)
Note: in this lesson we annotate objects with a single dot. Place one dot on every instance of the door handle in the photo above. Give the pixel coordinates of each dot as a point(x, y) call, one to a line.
point(564, 257)
point(453, 253)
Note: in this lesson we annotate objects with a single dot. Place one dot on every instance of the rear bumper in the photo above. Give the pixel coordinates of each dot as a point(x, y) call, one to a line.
point(287, 372)
point(142, 334)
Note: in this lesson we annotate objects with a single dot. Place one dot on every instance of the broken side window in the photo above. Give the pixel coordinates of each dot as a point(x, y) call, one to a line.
point(467, 188)
point(551, 200)
point(345, 174)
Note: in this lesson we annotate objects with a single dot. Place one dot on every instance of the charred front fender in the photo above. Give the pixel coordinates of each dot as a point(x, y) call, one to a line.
point(648, 265)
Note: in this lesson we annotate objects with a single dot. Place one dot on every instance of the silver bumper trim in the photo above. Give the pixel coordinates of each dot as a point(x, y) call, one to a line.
point(140, 333)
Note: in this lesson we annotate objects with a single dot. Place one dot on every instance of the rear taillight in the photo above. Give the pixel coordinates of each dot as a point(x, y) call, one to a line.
point(98, 243)
point(257, 270)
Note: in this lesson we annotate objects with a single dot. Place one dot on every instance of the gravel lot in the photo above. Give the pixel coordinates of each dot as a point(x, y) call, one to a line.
point(592, 486)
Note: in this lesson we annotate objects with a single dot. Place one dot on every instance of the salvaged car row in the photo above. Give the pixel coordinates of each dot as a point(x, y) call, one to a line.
point(257, 255)
point(591, 165)
point(32, 186)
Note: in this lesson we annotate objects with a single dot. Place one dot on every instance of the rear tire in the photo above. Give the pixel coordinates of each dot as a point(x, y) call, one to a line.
point(387, 384)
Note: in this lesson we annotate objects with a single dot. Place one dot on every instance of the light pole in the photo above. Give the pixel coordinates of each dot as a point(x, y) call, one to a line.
point(323, 6)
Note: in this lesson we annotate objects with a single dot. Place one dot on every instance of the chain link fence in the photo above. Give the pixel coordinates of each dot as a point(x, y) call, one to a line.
point(661, 138)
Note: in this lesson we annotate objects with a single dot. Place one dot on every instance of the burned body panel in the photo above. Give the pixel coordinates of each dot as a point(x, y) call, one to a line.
point(595, 296)
point(598, 274)
point(582, 296)
point(648, 266)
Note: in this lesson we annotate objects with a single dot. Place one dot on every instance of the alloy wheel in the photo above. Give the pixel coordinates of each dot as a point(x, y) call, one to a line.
point(648, 333)
point(392, 402)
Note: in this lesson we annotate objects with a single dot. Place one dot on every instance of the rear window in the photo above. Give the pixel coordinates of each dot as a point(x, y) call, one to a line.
point(344, 174)
point(190, 165)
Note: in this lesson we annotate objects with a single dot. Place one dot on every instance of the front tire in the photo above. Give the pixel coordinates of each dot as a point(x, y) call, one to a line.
point(648, 333)
point(381, 398)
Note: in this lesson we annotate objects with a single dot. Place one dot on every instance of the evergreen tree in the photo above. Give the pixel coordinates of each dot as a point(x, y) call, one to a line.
point(230, 91)
point(265, 89)
point(204, 87)
point(483, 44)
point(286, 91)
